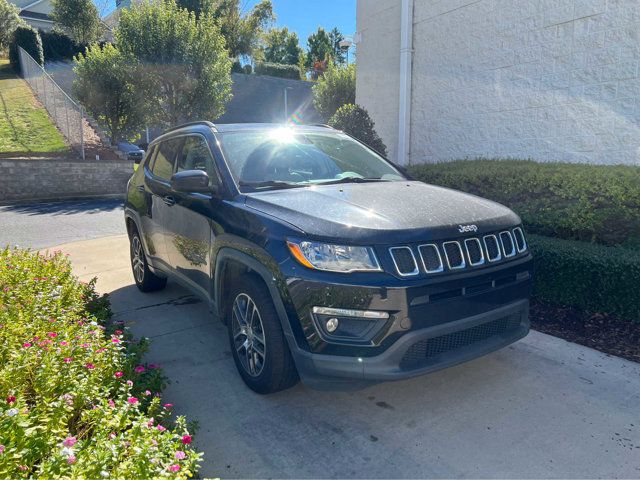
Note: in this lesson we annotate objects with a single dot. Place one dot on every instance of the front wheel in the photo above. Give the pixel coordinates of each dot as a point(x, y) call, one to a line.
point(258, 345)
point(146, 280)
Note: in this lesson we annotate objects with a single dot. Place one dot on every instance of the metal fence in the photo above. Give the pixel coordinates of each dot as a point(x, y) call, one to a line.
point(67, 114)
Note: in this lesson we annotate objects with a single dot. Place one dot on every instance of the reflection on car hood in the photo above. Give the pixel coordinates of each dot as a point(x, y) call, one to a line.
point(369, 212)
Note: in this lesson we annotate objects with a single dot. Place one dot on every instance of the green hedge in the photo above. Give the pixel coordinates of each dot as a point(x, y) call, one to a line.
point(599, 204)
point(278, 70)
point(76, 401)
point(29, 39)
point(57, 46)
point(590, 277)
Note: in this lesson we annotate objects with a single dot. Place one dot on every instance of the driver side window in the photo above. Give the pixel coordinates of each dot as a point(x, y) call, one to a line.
point(196, 155)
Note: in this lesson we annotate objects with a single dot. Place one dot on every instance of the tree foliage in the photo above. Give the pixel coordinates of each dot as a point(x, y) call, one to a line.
point(337, 87)
point(28, 38)
point(242, 32)
point(111, 88)
point(355, 120)
point(79, 19)
point(282, 46)
point(9, 21)
point(184, 60)
point(337, 53)
point(320, 47)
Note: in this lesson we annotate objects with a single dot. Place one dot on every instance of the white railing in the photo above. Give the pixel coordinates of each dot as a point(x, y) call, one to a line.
point(67, 114)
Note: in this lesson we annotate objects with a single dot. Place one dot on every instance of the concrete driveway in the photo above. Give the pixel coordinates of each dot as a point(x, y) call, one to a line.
point(540, 408)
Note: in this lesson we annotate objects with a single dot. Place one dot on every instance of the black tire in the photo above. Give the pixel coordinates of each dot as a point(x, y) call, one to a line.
point(145, 279)
point(277, 370)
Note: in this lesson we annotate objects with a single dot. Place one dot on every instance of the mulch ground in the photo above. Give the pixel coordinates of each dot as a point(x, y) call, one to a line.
point(603, 332)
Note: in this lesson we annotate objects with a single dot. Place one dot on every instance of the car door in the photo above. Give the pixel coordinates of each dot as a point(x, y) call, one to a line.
point(161, 199)
point(193, 223)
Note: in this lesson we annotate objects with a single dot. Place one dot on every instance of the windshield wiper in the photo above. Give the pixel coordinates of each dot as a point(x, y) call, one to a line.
point(275, 184)
point(352, 180)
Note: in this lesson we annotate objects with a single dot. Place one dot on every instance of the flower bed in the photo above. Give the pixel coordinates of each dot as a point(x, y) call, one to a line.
point(75, 398)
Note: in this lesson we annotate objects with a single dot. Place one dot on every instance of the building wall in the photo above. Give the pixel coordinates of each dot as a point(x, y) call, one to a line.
point(547, 79)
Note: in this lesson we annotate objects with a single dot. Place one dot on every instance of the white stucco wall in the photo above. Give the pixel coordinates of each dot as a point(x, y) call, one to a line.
point(554, 80)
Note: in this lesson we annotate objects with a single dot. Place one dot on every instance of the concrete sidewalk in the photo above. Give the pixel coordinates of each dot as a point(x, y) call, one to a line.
point(539, 408)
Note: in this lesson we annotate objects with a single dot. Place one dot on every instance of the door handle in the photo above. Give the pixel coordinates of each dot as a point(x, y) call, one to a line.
point(169, 200)
point(140, 188)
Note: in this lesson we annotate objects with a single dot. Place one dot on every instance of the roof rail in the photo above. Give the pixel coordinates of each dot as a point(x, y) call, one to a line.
point(189, 124)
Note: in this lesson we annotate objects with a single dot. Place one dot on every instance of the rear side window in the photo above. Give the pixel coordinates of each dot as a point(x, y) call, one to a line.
point(196, 155)
point(163, 164)
point(149, 156)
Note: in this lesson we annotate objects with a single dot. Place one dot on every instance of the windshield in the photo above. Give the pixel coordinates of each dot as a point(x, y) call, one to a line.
point(286, 158)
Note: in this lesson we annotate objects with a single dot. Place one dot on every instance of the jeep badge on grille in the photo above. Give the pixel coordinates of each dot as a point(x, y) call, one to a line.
point(467, 228)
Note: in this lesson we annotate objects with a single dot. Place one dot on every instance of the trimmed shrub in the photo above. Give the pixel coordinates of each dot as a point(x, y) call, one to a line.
point(236, 67)
point(247, 69)
point(337, 87)
point(355, 120)
point(75, 400)
point(593, 278)
point(598, 204)
point(29, 39)
point(57, 46)
point(277, 70)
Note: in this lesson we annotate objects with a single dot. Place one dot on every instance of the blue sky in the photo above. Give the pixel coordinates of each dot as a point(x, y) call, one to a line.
point(305, 16)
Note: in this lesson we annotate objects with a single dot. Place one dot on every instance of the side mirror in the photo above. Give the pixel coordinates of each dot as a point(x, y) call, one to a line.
point(191, 181)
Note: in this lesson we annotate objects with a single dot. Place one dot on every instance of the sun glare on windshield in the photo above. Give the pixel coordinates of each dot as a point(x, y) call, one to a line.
point(282, 135)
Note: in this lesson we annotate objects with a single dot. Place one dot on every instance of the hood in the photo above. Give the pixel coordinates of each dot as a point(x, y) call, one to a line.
point(382, 213)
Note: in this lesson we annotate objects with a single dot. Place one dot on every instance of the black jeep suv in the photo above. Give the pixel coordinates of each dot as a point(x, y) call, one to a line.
point(324, 260)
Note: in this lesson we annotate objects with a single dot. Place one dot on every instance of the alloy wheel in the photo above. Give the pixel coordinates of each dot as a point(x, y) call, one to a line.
point(248, 334)
point(137, 259)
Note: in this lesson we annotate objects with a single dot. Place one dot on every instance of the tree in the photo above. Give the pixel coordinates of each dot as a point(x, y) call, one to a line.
point(110, 86)
point(320, 48)
point(78, 19)
point(355, 120)
point(9, 21)
point(184, 60)
point(337, 53)
point(282, 46)
point(242, 33)
point(337, 87)
point(28, 38)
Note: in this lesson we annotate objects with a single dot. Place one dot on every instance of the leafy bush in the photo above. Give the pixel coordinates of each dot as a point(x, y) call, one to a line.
point(337, 87)
point(236, 67)
point(599, 204)
point(57, 46)
point(278, 70)
point(75, 402)
point(591, 277)
point(355, 120)
point(9, 21)
point(247, 69)
point(29, 39)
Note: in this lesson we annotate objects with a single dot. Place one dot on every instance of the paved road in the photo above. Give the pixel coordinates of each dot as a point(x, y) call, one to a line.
point(41, 225)
point(541, 408)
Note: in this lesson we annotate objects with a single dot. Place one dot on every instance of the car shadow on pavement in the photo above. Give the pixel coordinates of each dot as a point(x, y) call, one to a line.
point(66, 207)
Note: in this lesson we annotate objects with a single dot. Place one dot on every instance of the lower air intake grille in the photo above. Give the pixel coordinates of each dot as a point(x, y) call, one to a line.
point(404, 260)
point(421, 352)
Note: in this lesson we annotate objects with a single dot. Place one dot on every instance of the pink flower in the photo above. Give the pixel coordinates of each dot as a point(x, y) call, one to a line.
point(118, 332)
point(63, 343)
point(161, 428)
point(112, 436)
point(150, 422)
point(70, 441)
point(147, 393)
point(68, 360)
point(11, 399)
point(85, 345)
point(112, 404)
point(118, 374)
point(168, 405)
point(52, 334)
point(1, 449)
point(139, 369)
point(71, 459)
point(152, 366)
point(174, 468)
point(186, 439)
point(130, 383)
point(23, 468)
point(132, 400)
point(90, 366)
point(115, 340)
point(180, 455)
point(26, 344)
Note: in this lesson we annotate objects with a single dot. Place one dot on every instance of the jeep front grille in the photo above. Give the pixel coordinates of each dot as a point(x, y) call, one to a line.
point(460, 254)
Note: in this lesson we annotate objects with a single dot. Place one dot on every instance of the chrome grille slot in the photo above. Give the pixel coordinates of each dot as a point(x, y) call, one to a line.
point(521, 243)
point(404, 261)
point(431, 259)
point(474, 251)
point(508, 247)
point(454, 256)
point(492, 248)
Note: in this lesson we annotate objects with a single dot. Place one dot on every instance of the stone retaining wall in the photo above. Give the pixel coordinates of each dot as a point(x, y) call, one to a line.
point(55, 179)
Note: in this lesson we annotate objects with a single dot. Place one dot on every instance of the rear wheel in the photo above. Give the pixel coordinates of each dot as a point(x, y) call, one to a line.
point(258, 345)
point(146, 280)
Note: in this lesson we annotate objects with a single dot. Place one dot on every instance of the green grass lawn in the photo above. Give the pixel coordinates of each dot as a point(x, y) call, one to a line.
point(25, 126)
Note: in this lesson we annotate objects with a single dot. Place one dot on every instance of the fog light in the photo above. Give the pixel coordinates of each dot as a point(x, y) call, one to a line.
point(332, 325)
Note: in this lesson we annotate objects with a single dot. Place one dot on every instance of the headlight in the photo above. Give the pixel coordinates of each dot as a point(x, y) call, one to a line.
point(334, 258)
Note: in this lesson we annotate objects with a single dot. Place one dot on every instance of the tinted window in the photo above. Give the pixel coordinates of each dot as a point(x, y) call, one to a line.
point(163, 164)
point(197, 156)
point(148, 159)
